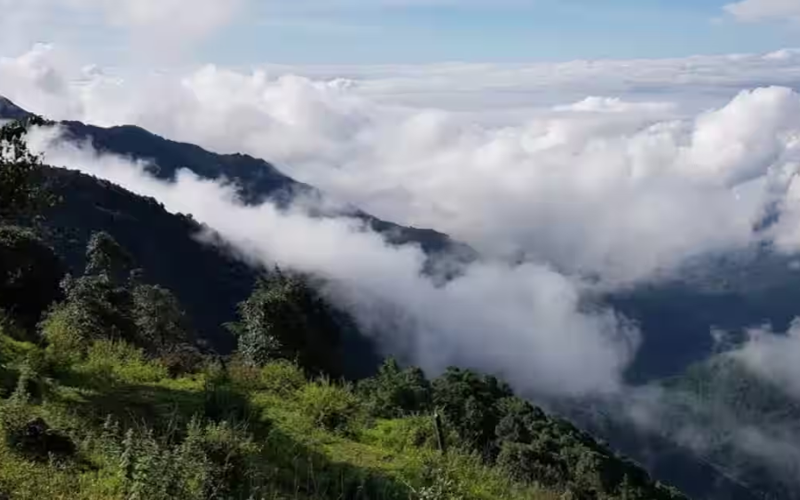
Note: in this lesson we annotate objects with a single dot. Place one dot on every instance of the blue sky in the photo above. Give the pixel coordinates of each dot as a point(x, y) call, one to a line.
point(401, 31)
point(518, 31)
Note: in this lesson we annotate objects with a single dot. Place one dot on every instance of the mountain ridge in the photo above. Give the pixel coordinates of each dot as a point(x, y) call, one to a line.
point(257, 179)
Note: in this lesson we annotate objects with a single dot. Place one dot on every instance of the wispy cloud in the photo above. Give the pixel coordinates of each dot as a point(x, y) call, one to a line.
point(765, 10)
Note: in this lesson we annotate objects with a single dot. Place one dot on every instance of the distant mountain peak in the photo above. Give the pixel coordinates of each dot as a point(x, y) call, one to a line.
point(10, 111)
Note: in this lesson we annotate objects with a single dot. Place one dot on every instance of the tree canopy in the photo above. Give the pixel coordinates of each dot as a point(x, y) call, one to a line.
point(21, 193)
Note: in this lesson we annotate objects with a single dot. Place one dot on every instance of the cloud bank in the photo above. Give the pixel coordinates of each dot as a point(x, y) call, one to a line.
point(774, 356)
point(526, 322)
point(618, 188)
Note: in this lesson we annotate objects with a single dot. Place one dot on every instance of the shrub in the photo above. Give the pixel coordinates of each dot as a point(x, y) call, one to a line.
point(223, 401)
point(66, 343)
point(230, 456)
point(395, 393)
point(526, 464)
point(27, 434)
point(404, 434)
point(329, 406)
point(282, 377)
point(215, 460)
point(35, 440)
point(116, 361)
point(440, 484)
point(181, 359)
point(470, 403)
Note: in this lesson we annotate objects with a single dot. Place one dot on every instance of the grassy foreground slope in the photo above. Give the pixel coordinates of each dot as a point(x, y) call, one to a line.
point(116, 425)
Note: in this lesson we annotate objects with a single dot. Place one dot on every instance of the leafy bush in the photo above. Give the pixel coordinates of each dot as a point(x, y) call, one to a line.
point(394, 393)
point(66, 342)
point(523, 462)
point(230, 455)
point(405, 434)
point(281, 377)
point(116, 361)
point(329, 406)
point(213, 461)
point(35, 440)
point(471, 405)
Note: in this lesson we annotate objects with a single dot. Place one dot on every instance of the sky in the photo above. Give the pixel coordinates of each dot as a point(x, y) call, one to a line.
point(244, 32)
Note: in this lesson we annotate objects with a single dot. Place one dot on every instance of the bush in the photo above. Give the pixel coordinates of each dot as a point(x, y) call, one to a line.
point(524, 463)
point(329, 406)
point(440, 484)
point(471, 405)
point(404, 434)
point(282, 377)
point(116, 361)
point(36, 441)
point(279, 377)
point(215, 460)
point(230, 456)
point(181, 359)
point(223, 401)
point(395, 393)
point(27, 434)
point(66, 343)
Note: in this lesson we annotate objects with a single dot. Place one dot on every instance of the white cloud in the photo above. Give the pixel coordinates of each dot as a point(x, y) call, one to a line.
point(618, 187)
point(165, 23)
point(525, 322)
point(147, 29)
point(774, 356)
point(765, 10)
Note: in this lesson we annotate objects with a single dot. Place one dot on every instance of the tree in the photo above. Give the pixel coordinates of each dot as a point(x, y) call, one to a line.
point(98, 308)
point(106, 257)
point(471, 405)
point(160, 322)
point(30, 274)
point(395, 393)
point(261, 317)
point(99, 304)
point(20, 192)
point(285, 317)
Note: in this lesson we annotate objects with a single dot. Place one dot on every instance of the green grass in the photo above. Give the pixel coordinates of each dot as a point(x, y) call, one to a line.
point(133, 427)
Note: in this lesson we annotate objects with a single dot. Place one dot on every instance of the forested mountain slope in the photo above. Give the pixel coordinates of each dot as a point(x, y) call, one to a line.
point(257, 179)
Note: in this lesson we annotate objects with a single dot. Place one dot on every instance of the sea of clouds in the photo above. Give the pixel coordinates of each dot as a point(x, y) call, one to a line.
point(596, 192)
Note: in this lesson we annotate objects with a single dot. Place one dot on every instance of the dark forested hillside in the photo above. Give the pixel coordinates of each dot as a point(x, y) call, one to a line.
point(206, 278)
point(730, 293)
point(208, 281)
point(256, 178)
point(10, 111)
